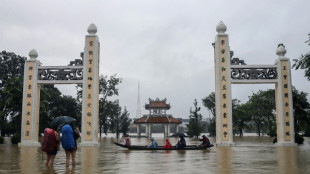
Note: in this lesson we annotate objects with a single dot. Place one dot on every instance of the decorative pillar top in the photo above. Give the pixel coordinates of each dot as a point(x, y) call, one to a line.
point(221, 27)
point(33, 54)
point(281, 51)
point(92, 29)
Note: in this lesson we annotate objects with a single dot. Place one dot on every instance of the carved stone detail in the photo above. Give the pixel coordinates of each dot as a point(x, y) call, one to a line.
point(60, 74)
point(253, 73)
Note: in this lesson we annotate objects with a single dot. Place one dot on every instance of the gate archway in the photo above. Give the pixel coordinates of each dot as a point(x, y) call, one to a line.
point(84, 72)
point(230, 70)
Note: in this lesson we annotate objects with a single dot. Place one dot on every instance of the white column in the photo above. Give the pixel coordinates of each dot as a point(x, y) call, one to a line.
point(224, 134)
point(150, 130)
point(284, 100)
point(31, 102)
point(90, 103)
point(177, 128)
point(168, 130)
point(139, 130)
point(147, 130)
point(165, 130)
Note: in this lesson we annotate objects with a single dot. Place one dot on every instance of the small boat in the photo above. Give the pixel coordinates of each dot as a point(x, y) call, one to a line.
point(189, 147)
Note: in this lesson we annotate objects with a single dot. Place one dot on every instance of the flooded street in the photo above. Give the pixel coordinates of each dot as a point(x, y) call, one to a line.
point(249, 155)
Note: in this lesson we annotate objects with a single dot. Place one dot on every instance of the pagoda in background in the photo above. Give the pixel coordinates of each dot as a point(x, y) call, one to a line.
point(157, 115)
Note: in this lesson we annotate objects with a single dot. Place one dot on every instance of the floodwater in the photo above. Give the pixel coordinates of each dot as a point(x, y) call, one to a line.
point(251, 154)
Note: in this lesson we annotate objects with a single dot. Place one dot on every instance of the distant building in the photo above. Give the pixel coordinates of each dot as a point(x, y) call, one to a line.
point(157, 115)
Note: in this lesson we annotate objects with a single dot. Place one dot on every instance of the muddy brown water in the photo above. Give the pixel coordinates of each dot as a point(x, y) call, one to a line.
point(251, 154)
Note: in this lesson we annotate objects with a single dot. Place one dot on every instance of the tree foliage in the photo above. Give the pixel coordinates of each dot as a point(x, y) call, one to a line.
point(196, 124)
point(304, 62)
point(209, 103)
point(262, 110)
point(11, 89)
point(239, 116)
point(125, 121)
point(11, 107)
point(53, 104)
point(301, 109)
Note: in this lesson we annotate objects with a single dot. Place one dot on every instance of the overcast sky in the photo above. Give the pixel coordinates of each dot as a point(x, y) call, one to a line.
point(163, 44)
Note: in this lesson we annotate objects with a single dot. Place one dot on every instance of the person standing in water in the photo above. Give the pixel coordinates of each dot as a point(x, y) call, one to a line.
point(68, 141)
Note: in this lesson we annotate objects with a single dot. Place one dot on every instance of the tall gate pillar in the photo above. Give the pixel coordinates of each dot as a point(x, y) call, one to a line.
point(224, 133)
point(90, 103)
point(284, 100)
point(31, 102)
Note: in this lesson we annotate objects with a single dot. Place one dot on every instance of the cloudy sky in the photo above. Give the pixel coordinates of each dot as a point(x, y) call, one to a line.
point(163, 44)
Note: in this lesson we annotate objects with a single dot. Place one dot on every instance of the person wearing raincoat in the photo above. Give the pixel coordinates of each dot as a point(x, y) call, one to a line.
point(168, 144)
point(181, 143)
point(153, 144)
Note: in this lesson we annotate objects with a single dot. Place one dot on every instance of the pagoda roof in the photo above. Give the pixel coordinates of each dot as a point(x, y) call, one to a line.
point(157, 120)
point(157, 104)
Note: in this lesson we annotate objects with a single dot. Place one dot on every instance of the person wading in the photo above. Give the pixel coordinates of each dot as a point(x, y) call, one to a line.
point(50, 145)
point(68, 141)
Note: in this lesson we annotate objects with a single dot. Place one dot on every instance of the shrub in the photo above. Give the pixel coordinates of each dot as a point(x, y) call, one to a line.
point(1, 140)
point(272, 133)
point(299, 139)
point(15, 139)
point(307, 132)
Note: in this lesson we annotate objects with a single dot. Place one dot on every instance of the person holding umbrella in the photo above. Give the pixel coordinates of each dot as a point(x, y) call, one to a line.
point(181, 143)
point(68, 140)
point(69, 136)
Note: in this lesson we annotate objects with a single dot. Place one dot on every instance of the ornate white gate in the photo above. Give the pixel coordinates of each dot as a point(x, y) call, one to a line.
point(84, 72)
point(230, 70)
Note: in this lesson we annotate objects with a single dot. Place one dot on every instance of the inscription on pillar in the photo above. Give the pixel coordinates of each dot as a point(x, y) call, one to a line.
point(89, 87)
point(285, 102)
point(223, 90)
point(29, 96)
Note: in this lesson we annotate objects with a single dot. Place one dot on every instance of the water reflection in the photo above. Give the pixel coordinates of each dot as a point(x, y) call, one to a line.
point(89, 159)
point(29, 161)
point(223, 160)
point(287, 160)
point(250, 155)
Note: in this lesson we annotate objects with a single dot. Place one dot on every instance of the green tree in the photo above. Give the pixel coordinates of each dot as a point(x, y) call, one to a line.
point(11, 66)
point(196, 124)
point(125, 121)
point(301, 108)
point(115, 119)
point(303, 62)
point(240, 118)
point(12, 106)
point(209, 103)
point(53, 104)
point(262, 110)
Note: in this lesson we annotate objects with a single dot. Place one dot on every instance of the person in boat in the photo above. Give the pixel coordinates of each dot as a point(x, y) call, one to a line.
point(127, 140)
point(168, 144)
point(205, 141)
point(181, 143)
point(153, 143)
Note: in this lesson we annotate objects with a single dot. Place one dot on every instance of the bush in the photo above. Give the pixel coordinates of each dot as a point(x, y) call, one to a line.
point(1, 140)
point(272, 133)
point(307, 132)
point(15, 139)
point(299, 139)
